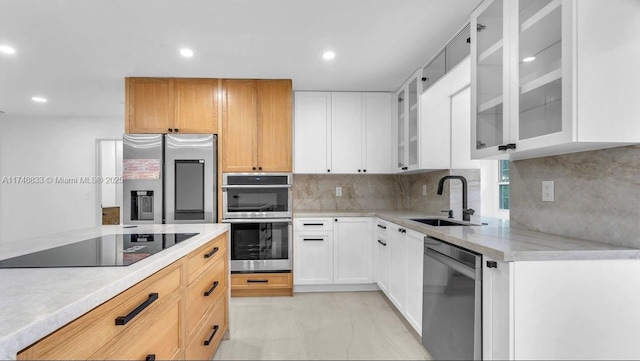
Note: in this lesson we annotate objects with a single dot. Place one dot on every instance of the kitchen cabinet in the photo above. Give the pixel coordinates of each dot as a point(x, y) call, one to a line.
point(171, 105)
point(261, 284)
point(538, 70)
point(343, 132)
point(407, 137)
point(257, 126)
point(383, 261)
point(398, 270)
point(313, 251)
point(353, 250)
point(414, 257)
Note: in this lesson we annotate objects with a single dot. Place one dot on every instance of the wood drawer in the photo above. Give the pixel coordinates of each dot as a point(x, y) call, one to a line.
point(206, 338)
point(204, 292)
point(261, 284)
point(313, 224)
point(157, 333)
point(97, 327)
point(205, 256)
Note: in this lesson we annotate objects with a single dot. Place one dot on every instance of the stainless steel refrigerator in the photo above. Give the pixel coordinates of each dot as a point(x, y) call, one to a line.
point(169, 178)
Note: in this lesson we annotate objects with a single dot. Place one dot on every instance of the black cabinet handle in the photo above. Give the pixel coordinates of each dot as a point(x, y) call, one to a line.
point(359, 170)
point(364, 171)
point(507, 146)
point(468, 40)
point(177, 130)
point(254, 168)
point(259, 168)
point(207, 342)
point(492, 264)
point(328, 170)
point(313, 239)
point(335, 220)
point(150, 357)
point(402, 230)
point(312, 224)
point(257, 281)
point(213, 251)
point(123, 320)
point(213, 287)
point(382, 243)
point(170, 130)
point(381, 226)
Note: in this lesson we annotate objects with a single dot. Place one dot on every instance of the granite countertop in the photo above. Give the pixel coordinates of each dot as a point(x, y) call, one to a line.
point(37, 301)
point(496, 239)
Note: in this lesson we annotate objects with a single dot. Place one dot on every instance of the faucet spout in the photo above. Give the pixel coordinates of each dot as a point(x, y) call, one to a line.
point(466, 212)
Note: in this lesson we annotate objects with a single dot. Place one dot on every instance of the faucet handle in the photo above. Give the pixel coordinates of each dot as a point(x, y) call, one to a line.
point(449, 212)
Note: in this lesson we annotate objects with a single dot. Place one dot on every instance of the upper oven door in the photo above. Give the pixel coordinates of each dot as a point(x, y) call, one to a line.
point(256, 196)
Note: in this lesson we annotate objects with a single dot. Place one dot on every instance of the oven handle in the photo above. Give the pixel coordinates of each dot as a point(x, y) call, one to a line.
point(256, 186)
point(257, 220)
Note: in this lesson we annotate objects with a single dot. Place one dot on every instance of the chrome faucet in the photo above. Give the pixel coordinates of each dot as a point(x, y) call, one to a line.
point(466, 212)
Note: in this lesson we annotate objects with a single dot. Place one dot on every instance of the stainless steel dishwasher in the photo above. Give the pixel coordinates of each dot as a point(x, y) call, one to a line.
point(452, 301)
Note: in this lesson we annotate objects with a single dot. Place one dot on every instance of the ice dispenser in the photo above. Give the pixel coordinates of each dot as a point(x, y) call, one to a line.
point(142, 205)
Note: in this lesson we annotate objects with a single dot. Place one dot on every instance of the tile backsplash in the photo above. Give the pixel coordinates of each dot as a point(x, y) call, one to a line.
point(597, 195)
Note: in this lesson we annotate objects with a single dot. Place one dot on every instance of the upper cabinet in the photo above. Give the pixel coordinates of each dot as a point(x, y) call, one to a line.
point(168, 105)
point(553, 76)
point(343, 132)
point(407, 148)
point(256, 126)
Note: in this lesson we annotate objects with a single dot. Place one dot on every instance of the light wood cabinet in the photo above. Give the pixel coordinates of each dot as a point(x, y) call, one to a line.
point(262, 284)
point(257, 126)
point(171, 105)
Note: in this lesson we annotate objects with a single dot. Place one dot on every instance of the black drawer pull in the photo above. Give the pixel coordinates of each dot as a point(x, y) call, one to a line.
point(382, 243)
point(257, 281)
point(313, 239)
point(381, 226)
point(213, 251)
point(312, 224)
point(492, 264)
point(213, 287)
point(123, 320)
point(207, 342)
point(150, 357)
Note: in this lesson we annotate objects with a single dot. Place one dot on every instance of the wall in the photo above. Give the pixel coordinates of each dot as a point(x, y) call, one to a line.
point(597, 195)
point(54, 147)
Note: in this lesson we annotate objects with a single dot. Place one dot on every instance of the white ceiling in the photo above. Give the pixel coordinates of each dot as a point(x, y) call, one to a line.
point(76, 53)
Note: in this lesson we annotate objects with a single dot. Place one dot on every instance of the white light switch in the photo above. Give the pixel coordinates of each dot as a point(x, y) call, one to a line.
point(338, 191)
point(547, 191)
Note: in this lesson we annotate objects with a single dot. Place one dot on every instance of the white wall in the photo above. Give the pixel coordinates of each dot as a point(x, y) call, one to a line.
point(49, 147)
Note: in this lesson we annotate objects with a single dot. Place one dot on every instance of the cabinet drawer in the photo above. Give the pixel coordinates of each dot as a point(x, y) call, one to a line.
point(204, 292)
point(313, 224)
point(97, 327)
point(205, 340)
point(205, 256)
point(156, 333)
point(261, 280)
point(381, 227)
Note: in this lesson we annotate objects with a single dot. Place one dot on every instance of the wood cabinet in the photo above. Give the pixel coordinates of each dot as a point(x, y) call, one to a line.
point(171, 105)
point(159, 317)
point(257, 126)
point(261, 284)
point(541, 84)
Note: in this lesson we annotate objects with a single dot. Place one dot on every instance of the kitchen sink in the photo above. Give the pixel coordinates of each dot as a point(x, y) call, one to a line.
point(439, 222)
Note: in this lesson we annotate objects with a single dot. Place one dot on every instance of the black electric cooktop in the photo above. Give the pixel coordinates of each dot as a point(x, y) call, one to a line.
point(105, 251)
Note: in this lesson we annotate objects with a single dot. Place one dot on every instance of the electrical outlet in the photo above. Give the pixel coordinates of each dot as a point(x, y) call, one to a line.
point(424, 189)
point(338, 191)
point(547, 191)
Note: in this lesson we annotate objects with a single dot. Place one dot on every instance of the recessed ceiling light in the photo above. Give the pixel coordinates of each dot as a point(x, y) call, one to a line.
point(5, 49)
point(187, 53)
point(528, 59)
point(328, 55)
point(39, 99)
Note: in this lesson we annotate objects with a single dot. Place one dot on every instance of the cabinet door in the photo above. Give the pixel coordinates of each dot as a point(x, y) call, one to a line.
point(239, 127)
point(434, 71)
point(313, 132)
point(400, 163)
point(497, 310)
point(346, 133)
point(196, 105)
point(384, 263)
point(313, 257)
point(353, 250)
point(397, 257)
point(274, 125)
point(149, 104)
point(377, 157)
point(413, 111)
point(414, 257)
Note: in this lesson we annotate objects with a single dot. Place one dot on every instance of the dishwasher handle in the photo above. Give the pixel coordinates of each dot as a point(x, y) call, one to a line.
point(455, 265)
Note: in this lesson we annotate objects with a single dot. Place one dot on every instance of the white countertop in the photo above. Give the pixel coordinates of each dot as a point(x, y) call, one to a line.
point(37, 301)
point(496, 239)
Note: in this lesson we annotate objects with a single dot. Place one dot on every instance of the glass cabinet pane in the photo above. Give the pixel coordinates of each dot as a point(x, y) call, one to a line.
point(458, 49)
point(433, 71)
point(489, 76)
point(401, 130)
point(413, 122)
point(540, 68)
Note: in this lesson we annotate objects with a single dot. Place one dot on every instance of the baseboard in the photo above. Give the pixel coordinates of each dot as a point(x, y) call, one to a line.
point(336, 288)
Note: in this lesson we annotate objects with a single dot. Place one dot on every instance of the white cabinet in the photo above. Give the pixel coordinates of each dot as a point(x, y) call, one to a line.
point(313, 257)
point(414, 257)
point(553, 76)
point(343, 132)
point(383, 261)
point(398, 273)
point(406, 140)
point(497, 310)
point(353, 257)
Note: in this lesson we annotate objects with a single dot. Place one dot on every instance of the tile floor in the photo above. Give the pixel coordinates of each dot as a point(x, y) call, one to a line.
point(318, 326)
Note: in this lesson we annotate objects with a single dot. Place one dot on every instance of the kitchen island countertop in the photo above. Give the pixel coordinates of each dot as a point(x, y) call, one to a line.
point(37, 301)
point(495, 239)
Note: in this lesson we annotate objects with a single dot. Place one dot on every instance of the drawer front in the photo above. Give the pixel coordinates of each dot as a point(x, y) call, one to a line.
point(381, 226)
point(157, 333)
point(261, 280)
point(204, 292)
point(97, 327)
point(313, 224)
point(206, 338)
point(205, 256)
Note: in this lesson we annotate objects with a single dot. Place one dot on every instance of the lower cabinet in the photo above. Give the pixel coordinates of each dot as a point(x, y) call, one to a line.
point(261, 284)
point(162, 317)
point(398, 269)
point(383, 263)
point(414, 250)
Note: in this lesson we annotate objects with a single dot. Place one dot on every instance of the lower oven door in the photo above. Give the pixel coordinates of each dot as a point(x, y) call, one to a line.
point(260, 245)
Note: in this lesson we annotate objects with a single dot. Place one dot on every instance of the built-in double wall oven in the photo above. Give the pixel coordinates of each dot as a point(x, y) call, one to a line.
point(257, 207)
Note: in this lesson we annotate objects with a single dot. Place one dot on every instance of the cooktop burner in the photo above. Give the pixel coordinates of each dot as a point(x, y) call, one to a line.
point(105, 251)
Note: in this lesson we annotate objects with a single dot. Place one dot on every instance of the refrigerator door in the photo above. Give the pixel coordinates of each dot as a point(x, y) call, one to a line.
point(142, 178)
point(190, 178)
